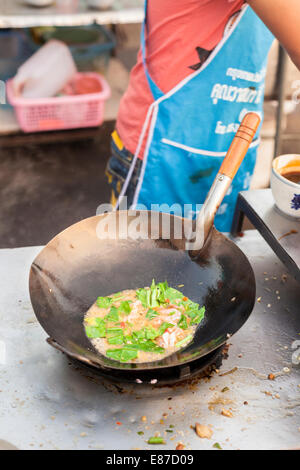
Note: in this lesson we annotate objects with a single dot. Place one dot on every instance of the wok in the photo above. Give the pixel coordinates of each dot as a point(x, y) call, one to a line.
point(84, 262)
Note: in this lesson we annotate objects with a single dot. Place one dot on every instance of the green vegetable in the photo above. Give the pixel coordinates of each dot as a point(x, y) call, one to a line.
point(151, 314)
point(116, 339)
point(142, 296)
point(93, 332)
point(164, 327)
point(113, 315)
point(138, 336)
point(104, 302)
point(148, 346)
point(97, 331)
point(217, 446)
point(173, 294)
point(151, 333)
point(157, 294)
point(122, 354)
point(125, 307)
point(148, 333)
point(198, 318)
point(130, 341)
point(184, 341)
point(156, 440)
point(140, 433)
point(193, 311)
point(118, 296)
point(183, 324)
point(162, 286)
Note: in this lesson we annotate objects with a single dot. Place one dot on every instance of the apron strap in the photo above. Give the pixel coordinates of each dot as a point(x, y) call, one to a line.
point(156, 92)
point(135, 157)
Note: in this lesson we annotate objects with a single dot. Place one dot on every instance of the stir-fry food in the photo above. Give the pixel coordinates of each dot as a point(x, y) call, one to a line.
point(142, 325)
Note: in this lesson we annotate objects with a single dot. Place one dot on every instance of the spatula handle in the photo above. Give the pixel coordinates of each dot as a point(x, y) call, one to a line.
point(240, 145)
point(223, 180)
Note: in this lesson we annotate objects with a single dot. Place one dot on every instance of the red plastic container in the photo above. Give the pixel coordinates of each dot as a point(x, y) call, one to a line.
point(62, 112)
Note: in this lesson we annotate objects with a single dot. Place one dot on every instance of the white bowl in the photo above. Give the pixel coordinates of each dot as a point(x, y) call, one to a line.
point(286, 193)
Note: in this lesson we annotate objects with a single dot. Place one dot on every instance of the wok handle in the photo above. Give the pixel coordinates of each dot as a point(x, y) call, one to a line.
point(240, 145)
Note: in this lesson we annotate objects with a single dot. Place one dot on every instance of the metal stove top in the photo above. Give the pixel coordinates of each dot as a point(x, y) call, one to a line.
point(48, 403)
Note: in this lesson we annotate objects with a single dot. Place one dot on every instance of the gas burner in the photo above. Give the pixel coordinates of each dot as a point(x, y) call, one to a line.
point(199, 368)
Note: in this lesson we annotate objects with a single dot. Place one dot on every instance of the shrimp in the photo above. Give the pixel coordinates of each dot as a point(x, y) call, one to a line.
point(135, 311)
point(170, 337)
point(165, 316)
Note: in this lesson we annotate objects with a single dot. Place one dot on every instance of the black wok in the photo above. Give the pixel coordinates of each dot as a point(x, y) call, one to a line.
point(77, 266)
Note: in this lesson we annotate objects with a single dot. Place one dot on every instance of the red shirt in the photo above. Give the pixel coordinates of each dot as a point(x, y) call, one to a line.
point(176, 30)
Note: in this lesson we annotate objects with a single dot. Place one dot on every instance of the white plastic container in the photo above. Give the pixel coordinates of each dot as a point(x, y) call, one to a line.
point(46, 72)
point(39, 3)
point(100, 4)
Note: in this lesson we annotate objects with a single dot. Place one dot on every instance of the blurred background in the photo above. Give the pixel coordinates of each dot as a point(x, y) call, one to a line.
point(51, 179)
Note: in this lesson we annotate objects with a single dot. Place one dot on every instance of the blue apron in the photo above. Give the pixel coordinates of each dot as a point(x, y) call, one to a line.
point(191, 127)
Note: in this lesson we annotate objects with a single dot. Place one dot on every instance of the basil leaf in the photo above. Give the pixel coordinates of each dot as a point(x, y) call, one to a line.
point(103, 302)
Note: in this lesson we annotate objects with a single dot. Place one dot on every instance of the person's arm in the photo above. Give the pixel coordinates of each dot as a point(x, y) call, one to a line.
point(283, 18)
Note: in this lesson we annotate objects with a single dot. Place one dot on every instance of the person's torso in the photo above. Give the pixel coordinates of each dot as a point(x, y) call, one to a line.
point(180, 35)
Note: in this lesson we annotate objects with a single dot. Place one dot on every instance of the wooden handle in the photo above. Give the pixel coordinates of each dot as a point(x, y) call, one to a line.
point(240, 145)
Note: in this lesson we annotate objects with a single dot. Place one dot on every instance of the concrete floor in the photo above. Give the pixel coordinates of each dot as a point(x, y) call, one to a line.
point(44, 188)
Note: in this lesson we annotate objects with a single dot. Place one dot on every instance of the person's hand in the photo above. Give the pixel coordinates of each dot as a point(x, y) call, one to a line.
point(283, 18)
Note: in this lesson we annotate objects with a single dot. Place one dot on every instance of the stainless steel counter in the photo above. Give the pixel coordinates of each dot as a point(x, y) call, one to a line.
point(280, 231)
point(17, 14)
point(46, 403)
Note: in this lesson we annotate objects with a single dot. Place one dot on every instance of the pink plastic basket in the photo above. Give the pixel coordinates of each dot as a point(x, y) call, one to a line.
point(63, 112)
